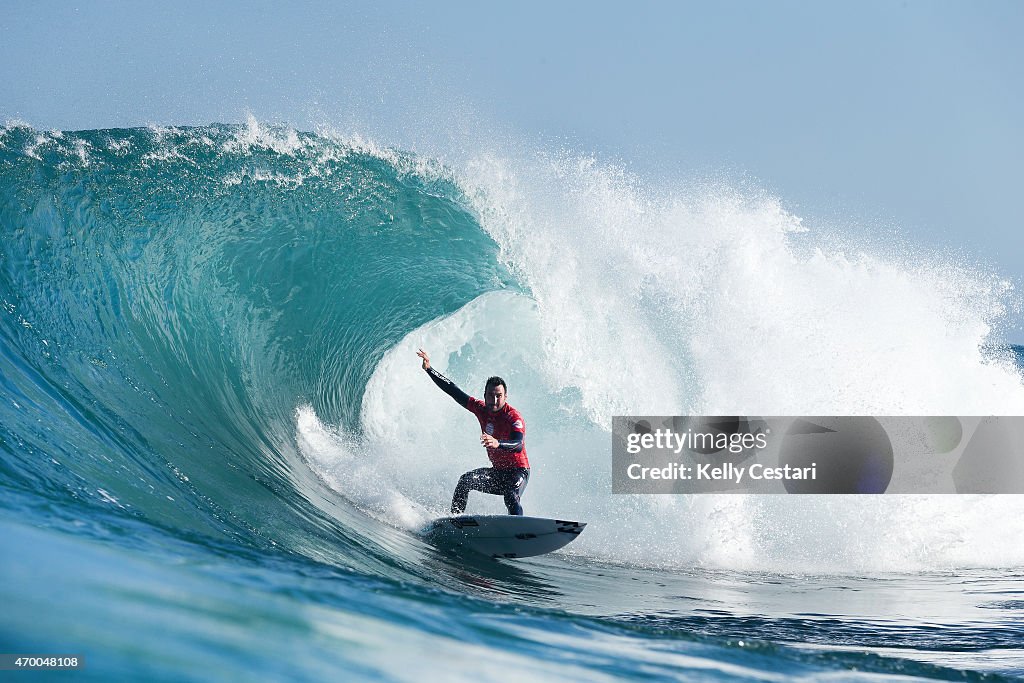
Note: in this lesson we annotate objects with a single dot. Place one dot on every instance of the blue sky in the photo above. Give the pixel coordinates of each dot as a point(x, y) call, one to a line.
point(883, 115)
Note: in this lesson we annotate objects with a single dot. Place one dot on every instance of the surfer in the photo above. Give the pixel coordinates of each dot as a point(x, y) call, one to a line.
point(503, 434)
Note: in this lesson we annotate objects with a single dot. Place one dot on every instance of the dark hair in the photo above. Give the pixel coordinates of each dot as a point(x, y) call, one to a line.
point(493, 382)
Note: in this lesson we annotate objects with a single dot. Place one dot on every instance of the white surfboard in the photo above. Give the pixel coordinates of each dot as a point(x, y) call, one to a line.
point(504, 536)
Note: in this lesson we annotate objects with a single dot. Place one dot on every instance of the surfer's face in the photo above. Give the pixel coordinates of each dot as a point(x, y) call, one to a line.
point(494, 398)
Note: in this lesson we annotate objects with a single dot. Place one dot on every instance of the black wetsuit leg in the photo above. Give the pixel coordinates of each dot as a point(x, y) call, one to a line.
point(508, 482)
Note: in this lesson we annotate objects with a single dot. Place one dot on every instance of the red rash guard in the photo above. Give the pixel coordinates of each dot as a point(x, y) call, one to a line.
point(500, 425)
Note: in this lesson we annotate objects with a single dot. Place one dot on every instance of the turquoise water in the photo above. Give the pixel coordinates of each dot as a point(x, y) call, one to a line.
point(217, 443)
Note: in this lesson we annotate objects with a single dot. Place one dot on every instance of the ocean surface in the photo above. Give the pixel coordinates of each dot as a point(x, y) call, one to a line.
point(216, 442)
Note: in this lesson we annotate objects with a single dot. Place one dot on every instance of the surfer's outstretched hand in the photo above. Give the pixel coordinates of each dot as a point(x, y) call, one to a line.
point(488, 441)
point(426, 359)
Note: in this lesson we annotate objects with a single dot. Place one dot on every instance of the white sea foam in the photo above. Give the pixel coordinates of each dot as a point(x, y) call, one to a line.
point(256, 135)
point(349, 466)
point(698, 300)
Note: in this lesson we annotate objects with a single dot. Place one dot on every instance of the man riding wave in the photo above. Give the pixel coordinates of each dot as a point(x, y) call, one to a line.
point(503, 434)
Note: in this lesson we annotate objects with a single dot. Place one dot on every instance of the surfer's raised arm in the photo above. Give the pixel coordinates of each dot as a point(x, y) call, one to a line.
point(446, 385)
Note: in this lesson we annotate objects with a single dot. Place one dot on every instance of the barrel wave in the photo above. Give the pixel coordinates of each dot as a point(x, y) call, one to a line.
point(217, 443)
point(165, 313)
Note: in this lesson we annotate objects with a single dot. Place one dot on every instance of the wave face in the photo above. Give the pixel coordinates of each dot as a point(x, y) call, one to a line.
point(212, 411)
